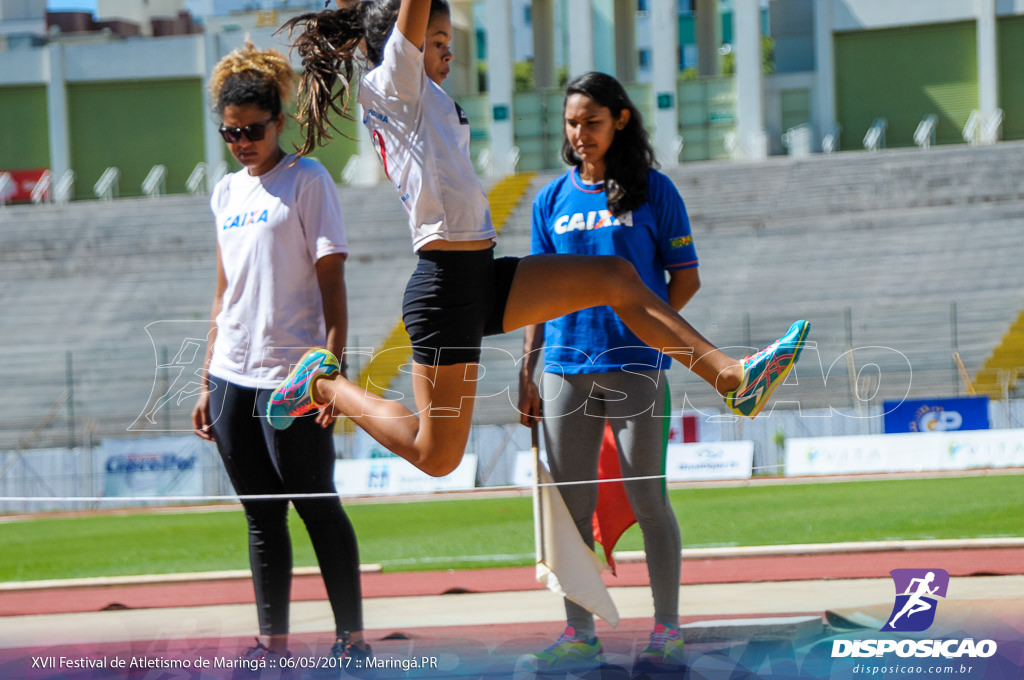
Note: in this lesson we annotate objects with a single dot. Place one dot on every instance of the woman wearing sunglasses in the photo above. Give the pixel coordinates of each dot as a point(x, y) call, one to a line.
point(281, 249)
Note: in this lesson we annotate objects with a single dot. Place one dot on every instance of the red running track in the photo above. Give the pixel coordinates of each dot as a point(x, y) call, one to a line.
point(66, 599)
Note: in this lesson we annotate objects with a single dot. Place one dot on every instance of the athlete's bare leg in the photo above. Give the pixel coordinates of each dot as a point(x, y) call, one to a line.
point(549, 286)
point(434, 438)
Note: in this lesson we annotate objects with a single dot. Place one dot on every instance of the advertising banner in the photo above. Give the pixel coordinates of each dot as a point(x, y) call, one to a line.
point(369, 476)
point(685, 462)
point(713, 460)
point(936, 415)
point(162, 466)
point(24, 181)
point(905, 452)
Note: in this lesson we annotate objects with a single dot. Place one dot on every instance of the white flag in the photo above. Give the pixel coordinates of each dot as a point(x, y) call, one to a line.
point(565, 564)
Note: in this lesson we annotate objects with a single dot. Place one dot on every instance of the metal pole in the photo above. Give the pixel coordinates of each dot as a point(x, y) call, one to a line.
point(538, 502)
point(954, 339)
point(850, 364)
point(69, 380)
point(166, 390)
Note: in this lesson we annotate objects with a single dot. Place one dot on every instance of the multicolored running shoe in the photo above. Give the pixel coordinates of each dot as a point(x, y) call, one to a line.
point(567, 653)
point(261, 662)
point(347, 660)
point(294, 396)
point(665, 649)
point(766, 370)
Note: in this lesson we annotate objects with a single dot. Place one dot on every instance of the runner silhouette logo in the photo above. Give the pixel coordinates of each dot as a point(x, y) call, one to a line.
point(916, 590)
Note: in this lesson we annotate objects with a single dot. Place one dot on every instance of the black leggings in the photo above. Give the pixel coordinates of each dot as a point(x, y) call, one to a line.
point(300, 460)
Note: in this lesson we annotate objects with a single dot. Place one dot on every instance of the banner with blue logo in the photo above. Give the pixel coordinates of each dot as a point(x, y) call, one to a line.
point(936, 415)
point(157, 467)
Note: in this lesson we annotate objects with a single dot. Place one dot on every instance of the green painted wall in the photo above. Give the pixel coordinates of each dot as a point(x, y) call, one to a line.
point(707, 114)
point(902, 75)
point(1010, 40)
point(25, 143)
point(133, 125)
point(334, 156)
point(796, 108)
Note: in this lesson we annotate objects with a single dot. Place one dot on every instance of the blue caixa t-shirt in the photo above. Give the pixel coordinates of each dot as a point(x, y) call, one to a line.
point(570, 216)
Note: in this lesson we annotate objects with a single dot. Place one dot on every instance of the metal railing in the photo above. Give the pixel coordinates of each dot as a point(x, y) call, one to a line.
point(485, 161)
point(216, 174)
point(678, 144)
point(830, 140)
point(41, 191)
point(513, 158)
point(924, 135)
point(6, 187)
point(797, 140)
point(155, 182)
point(351, 169)
point(972, 128)
point(196, 182)
point(65, 187)
point(992, 130)
point(106, 187)
point(874, 139)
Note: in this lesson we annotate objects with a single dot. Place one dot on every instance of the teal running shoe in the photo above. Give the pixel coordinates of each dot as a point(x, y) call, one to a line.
point(766, 370)
point(567, 653)
point(665, 649)
point(347, 660)
point(294, 397)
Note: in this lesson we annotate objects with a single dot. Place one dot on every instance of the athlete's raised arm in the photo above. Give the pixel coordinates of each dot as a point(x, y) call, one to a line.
point(413, 16)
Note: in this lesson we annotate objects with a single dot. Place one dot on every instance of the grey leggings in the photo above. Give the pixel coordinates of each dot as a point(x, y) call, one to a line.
point(636, 404)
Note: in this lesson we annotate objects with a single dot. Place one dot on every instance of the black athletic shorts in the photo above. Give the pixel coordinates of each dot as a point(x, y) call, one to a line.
point(452, 301)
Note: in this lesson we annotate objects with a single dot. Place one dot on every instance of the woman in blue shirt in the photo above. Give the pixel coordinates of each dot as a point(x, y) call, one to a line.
point(611, 202)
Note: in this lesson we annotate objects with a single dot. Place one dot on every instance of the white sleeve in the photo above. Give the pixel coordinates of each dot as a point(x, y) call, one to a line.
point(321, 216)
point(400, 72)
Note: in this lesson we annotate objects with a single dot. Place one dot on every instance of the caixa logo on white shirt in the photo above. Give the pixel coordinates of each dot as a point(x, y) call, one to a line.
point(246, 218)
point(594, 219)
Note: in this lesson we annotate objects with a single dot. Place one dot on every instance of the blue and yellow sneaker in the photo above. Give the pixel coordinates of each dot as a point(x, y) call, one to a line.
point(665, 649)
point(347, 660)
point(766, 370)
point(261, 662)
point(567, 653)
point(294, 396)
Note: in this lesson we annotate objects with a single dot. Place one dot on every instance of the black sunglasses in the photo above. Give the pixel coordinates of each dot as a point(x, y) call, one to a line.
point(254, 132)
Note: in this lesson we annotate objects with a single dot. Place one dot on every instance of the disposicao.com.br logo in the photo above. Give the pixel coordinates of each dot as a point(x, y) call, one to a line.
point(913, 612)
point(916, 589)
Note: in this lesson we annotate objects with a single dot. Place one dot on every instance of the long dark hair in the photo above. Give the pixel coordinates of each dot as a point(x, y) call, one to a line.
point(630, 156)
point(327, 44)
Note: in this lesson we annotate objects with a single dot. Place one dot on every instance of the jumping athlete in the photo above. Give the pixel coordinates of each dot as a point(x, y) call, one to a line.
point(281, 249)
point(459, 292)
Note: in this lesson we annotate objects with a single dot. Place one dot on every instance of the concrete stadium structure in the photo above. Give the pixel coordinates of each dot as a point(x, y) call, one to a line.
point(838, 67)
point(902, 256)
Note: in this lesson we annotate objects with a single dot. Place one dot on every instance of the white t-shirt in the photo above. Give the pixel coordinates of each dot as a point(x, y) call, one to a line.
point(271, 230)
point(422, 136)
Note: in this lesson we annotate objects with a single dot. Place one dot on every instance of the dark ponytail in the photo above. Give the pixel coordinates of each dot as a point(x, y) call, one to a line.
point(327, 44)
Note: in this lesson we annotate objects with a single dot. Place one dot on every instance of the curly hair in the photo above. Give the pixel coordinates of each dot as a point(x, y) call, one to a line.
point(630, 156)
point(328, 43)
point(250, 75)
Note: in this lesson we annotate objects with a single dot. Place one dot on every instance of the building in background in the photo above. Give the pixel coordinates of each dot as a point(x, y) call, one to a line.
point(714, 78)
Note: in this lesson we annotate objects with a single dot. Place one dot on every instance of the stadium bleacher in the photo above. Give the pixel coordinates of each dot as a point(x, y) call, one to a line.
point(903, 255)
